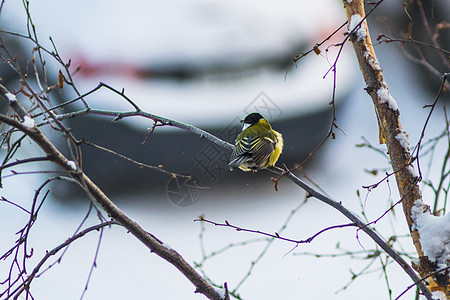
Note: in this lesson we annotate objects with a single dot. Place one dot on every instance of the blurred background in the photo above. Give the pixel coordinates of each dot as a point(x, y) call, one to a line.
point(210, 63)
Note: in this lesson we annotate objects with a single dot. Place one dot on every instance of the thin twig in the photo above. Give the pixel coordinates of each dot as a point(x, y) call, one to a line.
point(24, 161)
point(369, 231)
point(142, 165)
point(274, 235)
point(421, 280)
point(26, 285)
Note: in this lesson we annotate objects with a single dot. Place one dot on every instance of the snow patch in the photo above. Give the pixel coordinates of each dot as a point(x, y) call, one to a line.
point(11, 97)
point(372, 61)
point(28, 122)
point(438, 295)
point(72, 165)
point(403, 139)
point(361, 33)
point(434, 233)
point(167, 246)
point(385, 97)
point(412, 171)
point(220, 292)
point(374, 64)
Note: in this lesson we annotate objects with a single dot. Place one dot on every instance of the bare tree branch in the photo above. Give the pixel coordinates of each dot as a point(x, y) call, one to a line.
point(274, 235)
point(388, 113)
point(162, 121)
point(26, 284)
point(97, 195)
point(357, 222)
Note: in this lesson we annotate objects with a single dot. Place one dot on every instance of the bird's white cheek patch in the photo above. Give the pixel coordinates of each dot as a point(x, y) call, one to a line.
point(245, 126)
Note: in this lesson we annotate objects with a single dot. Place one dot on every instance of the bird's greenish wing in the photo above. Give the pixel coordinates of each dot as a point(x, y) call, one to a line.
point(259, 148)
point(262, 150)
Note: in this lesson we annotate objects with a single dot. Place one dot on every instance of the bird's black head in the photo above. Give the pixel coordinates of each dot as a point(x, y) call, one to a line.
point(252, 119)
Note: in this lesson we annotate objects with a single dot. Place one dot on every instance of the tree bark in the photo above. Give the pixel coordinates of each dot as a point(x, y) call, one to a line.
point(391, 132)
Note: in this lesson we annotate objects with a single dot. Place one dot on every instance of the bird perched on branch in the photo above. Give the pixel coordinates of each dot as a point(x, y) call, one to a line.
point(257, 147)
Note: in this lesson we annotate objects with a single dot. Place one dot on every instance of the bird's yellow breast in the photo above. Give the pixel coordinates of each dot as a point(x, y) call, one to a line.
point(278, 149)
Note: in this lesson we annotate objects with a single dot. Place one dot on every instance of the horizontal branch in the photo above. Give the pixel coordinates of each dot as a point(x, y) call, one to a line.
point(275, 235)
point(140, 164)
point(163, 121)
point(24, 161)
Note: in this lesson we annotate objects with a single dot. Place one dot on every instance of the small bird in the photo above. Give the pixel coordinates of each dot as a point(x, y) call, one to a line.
point(257, 147)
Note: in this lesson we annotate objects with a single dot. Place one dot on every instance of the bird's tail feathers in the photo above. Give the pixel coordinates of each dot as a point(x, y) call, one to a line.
point(235, 163)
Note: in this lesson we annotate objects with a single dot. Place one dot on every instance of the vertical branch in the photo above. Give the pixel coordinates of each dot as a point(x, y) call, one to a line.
point(390, 127)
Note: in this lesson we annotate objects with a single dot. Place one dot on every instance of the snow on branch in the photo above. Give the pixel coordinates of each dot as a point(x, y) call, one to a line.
point(391, 132)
